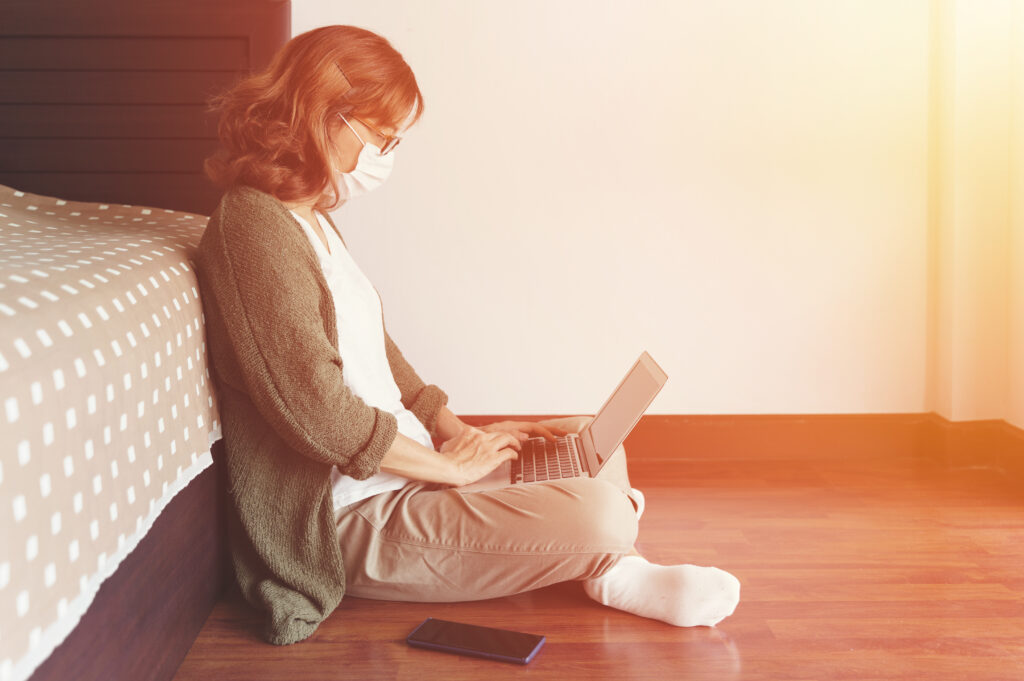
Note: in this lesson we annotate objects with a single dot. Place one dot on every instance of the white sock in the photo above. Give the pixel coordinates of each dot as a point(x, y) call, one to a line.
point(683, 595)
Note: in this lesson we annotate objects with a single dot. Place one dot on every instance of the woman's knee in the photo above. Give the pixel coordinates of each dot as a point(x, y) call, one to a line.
point(608, 516)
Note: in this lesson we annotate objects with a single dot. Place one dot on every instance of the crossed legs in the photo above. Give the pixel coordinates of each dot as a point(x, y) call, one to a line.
point(427, 542)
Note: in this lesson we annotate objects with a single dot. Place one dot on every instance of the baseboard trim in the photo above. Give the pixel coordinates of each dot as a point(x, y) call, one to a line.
point(966, 444)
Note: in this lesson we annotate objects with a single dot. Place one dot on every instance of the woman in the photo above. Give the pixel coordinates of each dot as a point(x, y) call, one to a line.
point(328, 431)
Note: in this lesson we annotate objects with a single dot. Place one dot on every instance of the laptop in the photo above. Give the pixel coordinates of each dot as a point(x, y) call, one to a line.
point(585, 453)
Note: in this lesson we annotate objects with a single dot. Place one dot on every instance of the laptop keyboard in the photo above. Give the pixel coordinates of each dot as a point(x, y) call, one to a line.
point(541, 459)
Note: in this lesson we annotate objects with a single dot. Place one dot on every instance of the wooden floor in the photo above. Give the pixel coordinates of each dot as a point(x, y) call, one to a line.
point(853, 567)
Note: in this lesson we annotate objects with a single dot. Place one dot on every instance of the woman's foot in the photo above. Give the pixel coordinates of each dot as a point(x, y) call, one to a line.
point(683, 595)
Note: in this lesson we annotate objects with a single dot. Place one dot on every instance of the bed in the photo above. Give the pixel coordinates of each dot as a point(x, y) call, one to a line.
point(111, 521)
point(107, 407)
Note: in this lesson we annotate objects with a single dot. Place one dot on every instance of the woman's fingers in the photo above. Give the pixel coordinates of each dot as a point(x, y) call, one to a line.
point(548, 432)
point(501, 438)
point(508, 453)
point(544, 431)
point(525, 429)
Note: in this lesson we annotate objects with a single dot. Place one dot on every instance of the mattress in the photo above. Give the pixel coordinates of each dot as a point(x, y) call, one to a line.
point(107, 408)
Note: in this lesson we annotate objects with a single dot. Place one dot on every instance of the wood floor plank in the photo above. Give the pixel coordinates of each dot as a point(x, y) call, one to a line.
point(853, 567)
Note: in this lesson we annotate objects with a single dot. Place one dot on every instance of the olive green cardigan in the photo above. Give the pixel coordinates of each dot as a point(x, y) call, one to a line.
point(287, 416)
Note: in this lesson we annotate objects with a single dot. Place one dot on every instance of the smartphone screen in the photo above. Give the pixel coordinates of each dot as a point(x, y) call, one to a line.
point(470, 639)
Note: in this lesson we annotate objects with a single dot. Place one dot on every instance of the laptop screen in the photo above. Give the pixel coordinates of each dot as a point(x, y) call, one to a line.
point(627, 404)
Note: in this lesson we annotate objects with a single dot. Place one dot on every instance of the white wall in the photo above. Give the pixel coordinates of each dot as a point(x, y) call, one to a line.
point(1015, 397)
point(977, 372)
point(742, 188)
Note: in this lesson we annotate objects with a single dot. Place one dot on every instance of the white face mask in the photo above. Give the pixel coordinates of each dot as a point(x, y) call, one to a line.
point(370, 172)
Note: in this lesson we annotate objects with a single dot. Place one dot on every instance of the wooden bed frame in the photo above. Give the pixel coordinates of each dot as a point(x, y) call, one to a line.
point(105, 101)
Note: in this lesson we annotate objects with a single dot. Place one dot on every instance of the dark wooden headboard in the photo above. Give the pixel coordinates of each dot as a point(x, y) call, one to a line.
point(104, 100)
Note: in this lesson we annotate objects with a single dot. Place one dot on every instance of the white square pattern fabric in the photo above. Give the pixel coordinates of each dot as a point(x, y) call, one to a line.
point(106, 409)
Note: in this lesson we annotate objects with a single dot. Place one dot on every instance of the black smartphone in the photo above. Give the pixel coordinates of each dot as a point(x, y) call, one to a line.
point(470, 639)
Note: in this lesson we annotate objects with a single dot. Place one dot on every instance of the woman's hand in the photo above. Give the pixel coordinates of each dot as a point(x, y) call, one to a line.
point(474, 453)
point(524, 429)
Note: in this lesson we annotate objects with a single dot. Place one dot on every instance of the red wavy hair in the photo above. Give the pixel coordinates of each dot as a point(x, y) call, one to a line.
point(274, 125)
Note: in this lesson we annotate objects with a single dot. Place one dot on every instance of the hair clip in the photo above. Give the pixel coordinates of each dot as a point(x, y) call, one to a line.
point(347, 81)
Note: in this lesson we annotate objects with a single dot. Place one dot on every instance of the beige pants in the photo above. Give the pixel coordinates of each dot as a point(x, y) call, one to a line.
point(428, 542)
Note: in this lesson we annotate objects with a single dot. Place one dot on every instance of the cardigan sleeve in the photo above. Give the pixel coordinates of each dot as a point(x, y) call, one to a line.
point(269, 300)
point(423, 400)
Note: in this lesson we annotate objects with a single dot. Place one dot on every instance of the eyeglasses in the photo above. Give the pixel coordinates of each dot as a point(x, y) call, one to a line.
point(390, 141)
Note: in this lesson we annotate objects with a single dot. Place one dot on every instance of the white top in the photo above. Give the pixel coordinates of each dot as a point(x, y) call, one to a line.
point(364, 360)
